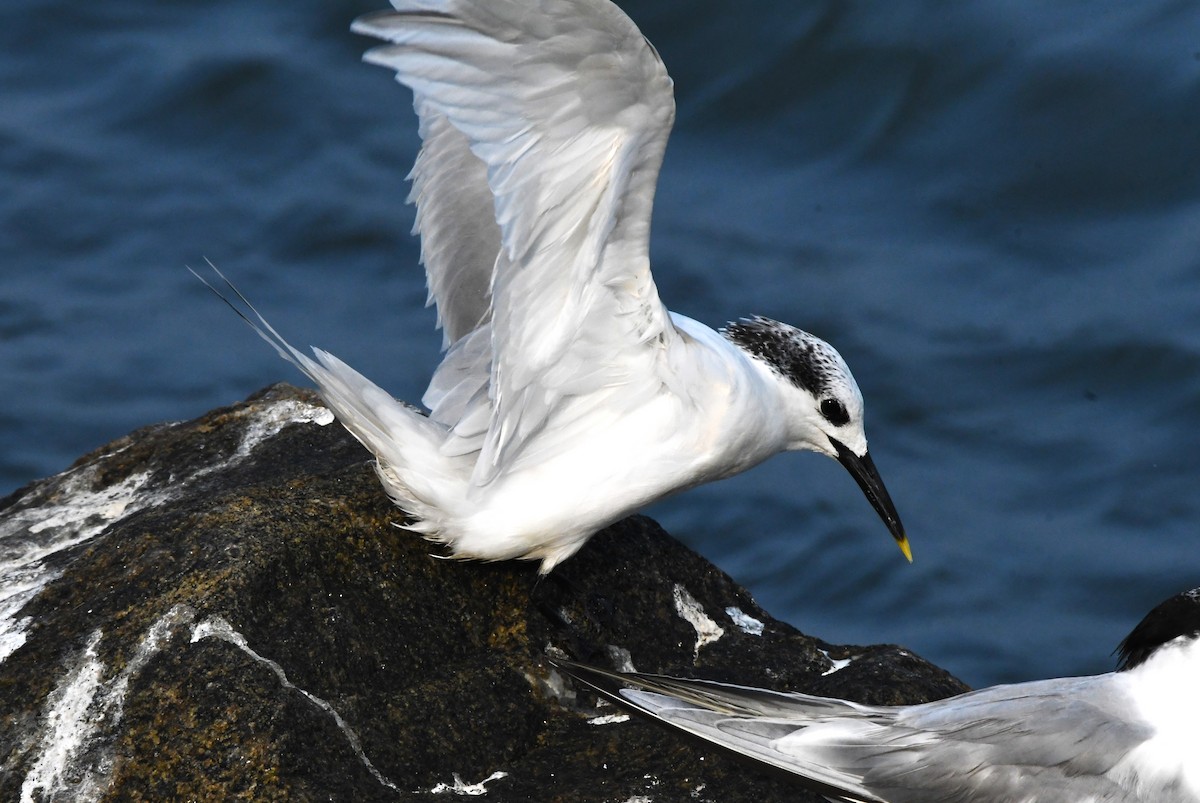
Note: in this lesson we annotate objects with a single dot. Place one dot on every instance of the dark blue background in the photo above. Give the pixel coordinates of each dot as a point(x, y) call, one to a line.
point(991, 209)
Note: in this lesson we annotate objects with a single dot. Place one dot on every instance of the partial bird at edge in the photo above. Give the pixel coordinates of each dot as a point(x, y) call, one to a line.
point(1124, 736)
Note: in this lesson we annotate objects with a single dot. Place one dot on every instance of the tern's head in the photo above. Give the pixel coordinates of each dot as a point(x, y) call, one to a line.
point(824, 405)
point(1175, 621)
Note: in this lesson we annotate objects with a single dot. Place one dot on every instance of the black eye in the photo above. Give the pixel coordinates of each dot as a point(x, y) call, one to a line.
point(834, 412)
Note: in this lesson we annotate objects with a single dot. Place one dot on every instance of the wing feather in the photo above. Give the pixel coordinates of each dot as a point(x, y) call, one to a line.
point(456, 223)
point(743, 720)
point(1042, 741)
point(568, 108)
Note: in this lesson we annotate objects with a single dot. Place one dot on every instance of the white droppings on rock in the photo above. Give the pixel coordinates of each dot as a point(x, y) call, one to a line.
point(460, 787)
point(68, 726)
point(836, 664)
point(622, 659)
point(63, 512)
point(73, 746)
point(150, 645)
point(18, 585)
point(83, 511)
point(68, 509)
point(707, 631)
point(12, 630)
point(745, 622)
point(219, 628)
point(554, 686)
point(268, 422)
point(609, 719)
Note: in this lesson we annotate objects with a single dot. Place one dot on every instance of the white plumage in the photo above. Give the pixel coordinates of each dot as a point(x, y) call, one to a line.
point(569, 396)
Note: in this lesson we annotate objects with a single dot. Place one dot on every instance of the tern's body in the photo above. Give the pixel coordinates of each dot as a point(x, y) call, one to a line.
point(1122, 737)
point(603, 456)
point(568, 396)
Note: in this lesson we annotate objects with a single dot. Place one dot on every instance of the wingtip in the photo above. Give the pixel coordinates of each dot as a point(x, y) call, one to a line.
point(387, 24)
point(371, 23)
point(601, 681)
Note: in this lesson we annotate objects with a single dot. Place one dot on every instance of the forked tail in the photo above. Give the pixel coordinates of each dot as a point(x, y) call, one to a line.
point(405, 443)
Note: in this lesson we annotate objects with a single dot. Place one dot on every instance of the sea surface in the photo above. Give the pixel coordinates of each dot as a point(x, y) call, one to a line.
point(992, 209)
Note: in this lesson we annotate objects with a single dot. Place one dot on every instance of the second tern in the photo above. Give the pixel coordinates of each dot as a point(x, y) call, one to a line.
point(1123, 737)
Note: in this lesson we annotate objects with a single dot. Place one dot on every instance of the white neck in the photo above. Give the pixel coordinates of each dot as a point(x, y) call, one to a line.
point(1166, 689)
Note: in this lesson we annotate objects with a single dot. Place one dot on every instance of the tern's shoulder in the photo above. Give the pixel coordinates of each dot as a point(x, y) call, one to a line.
point(1036, 709)
point(700, 348)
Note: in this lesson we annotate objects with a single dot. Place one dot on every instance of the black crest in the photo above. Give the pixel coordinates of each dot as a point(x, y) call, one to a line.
point(795, 355)
point(1178, 616)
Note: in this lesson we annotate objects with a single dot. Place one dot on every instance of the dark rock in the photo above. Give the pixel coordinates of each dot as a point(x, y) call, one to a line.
point(221, 609)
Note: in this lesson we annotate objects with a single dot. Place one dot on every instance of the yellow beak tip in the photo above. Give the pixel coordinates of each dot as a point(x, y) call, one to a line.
point(906, 549)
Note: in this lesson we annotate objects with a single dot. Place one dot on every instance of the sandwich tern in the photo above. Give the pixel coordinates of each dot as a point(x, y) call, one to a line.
point(1126, 736)
point(568, 396)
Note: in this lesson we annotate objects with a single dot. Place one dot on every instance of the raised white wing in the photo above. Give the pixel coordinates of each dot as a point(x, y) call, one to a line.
point(568, 108)
point(456, 222)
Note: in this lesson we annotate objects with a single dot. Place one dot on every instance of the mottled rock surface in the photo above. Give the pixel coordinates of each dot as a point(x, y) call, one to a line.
point(221, 609)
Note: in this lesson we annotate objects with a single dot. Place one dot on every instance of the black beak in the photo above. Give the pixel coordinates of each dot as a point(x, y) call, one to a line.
point(865, 474)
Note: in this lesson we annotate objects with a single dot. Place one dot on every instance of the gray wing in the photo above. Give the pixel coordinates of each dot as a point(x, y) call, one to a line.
point(741, 719)
point(1056, 740)
point(1050, 740)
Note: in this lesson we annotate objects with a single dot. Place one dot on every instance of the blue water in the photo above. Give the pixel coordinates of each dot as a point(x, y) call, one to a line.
point(991, 209)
